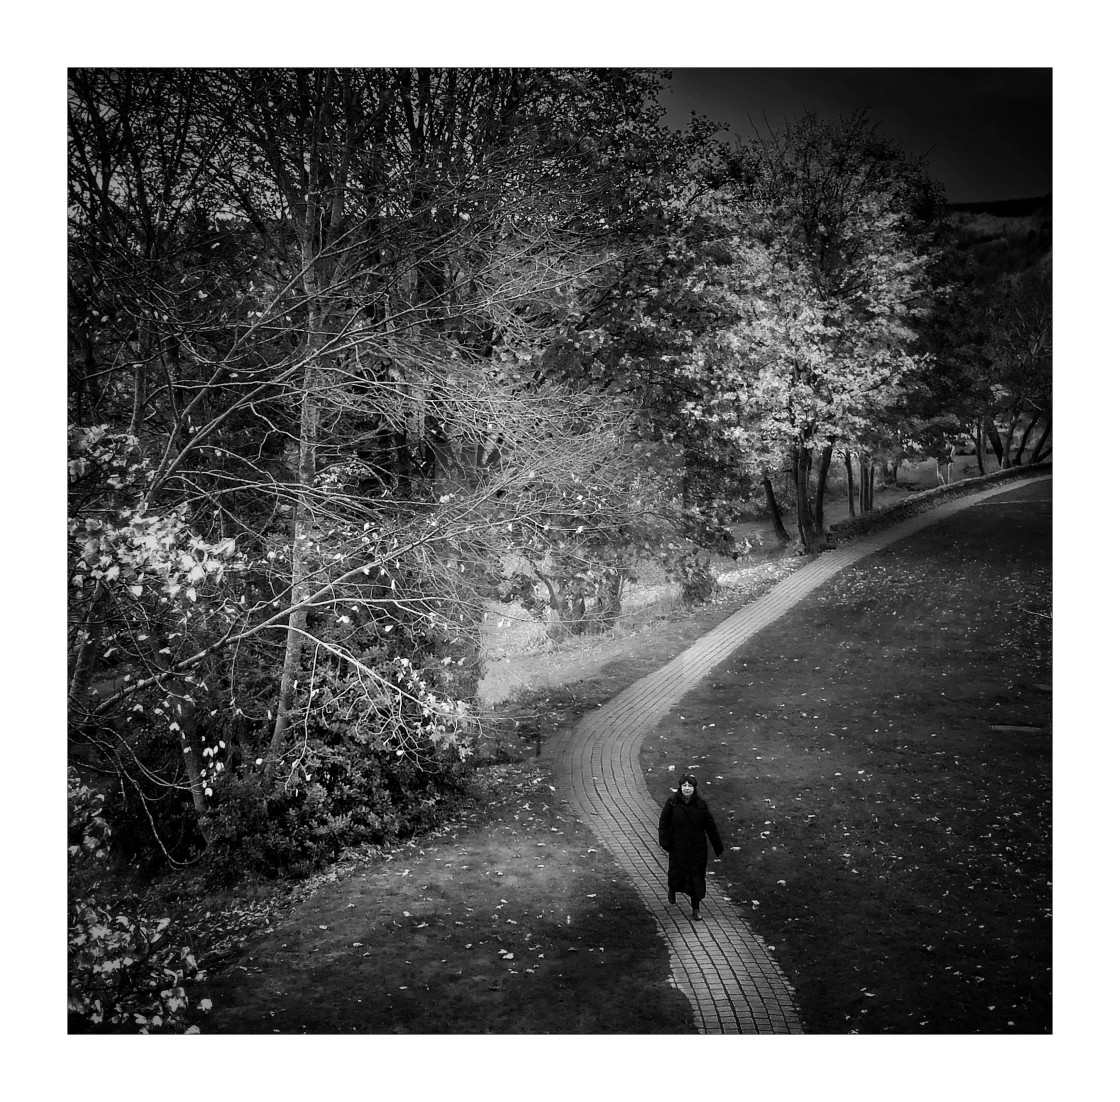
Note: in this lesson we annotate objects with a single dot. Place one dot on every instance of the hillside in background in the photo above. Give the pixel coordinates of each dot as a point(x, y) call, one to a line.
point(1006, 208)
point(1005, 236)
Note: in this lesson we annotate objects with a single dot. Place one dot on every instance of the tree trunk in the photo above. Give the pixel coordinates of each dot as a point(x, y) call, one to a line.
point(302, 524)
point(851, 487)
point(1005, 457)
point(610, 598)
point(686, 485)
point(799, 512)
point(803, 470)
point(978, 440)
point(822, 485)
point(993, 438)
point(1037, 454)
point(557, 628)
point(866, 481)
point(775, 513)
point(578, 614)
point(870, 465)
point(138, 395)
point(186, 716)
point(1023, 441)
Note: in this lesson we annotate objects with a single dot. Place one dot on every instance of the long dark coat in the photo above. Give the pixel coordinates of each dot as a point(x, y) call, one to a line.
point(683, 832)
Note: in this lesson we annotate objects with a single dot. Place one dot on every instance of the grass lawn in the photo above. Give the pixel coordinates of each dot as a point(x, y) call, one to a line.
point(511, 919)
point(884, 835)
point(880, 759)
point(415, 938)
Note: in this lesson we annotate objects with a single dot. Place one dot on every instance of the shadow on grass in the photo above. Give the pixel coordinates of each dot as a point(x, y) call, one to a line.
point(509, 920)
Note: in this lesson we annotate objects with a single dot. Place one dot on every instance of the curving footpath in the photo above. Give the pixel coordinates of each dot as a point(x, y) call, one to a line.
point(720, 964)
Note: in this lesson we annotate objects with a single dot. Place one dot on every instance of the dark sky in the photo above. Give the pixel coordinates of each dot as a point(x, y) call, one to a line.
point(987, 132)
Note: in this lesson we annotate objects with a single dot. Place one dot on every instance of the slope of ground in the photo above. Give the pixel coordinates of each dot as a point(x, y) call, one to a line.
point(453, 932)
point(881, 759)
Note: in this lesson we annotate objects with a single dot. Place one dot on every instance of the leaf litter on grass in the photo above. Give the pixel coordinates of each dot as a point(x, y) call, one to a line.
point(481, 960)
point(914, 841)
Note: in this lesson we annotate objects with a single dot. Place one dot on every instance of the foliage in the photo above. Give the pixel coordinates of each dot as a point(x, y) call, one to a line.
point(311, 425)
point(826, 257)
point(128, 970)
point(1020, 343)
point(87, 831)
point(693, 570)
point(340, 793)
point(629, 331)
point(973, 379)
point(355, 352)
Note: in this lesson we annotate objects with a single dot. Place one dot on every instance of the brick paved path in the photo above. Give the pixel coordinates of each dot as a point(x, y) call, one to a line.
point(723, 967)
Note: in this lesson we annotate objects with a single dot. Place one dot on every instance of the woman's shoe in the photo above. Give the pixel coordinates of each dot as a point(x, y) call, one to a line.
point(696, 915)
point(672, 897)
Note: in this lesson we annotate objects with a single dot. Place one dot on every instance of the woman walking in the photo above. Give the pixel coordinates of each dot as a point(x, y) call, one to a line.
point(683, 831)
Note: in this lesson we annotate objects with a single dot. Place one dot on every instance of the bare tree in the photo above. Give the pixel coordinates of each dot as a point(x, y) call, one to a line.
point(308, 426)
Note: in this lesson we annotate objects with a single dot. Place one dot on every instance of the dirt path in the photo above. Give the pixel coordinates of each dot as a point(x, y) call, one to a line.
point(720, 964)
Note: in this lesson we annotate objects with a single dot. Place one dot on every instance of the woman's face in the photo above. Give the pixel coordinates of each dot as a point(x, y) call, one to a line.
point(687, 789)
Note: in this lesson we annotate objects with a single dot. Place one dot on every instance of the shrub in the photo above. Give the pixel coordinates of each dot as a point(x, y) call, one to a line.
point(693, 570)
point(149, 813)
point(339, 794)
point(127, 970)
